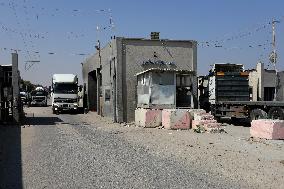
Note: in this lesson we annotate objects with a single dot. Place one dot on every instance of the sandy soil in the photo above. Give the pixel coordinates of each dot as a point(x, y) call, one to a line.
point(254, 163)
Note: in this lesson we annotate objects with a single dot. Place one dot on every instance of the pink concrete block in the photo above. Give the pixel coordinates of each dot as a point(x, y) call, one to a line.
point(153, 118)
point(176, 119)
point(268, 129)
point(148, 117)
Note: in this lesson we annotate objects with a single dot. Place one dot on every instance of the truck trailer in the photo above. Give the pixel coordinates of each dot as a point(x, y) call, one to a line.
point(226, 94)
point(64, 93)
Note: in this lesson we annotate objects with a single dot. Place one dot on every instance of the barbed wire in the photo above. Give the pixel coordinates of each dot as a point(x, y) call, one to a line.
point(35, 13)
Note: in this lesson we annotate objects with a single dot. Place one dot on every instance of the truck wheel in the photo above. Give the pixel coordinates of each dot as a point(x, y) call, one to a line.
point(258, 114)
point(276, 113)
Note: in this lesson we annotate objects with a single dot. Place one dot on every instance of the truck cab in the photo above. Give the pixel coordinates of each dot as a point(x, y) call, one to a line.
point(64, 94)
point(38, 97)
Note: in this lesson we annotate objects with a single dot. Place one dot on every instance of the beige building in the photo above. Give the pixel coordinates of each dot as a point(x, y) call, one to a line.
point(262, 84)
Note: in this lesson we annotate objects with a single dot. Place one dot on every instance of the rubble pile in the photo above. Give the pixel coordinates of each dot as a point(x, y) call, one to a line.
point(205, 122)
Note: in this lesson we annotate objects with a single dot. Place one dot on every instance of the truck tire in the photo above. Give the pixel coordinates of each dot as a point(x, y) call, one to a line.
point(257, 114)
point(276, 113)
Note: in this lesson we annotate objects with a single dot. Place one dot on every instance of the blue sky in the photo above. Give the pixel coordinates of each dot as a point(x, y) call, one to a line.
point(58, 32)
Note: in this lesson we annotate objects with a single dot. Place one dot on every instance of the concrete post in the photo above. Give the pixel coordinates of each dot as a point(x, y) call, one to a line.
point(99, 91)
point(15, 87)
point(119, 82)
point(1, 80)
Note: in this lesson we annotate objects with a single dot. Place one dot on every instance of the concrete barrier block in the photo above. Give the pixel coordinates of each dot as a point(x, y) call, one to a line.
point(267, 128)
point(148, 117)
point(176, 119)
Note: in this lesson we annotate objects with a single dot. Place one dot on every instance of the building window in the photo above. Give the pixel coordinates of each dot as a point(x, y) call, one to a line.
point(8, 77)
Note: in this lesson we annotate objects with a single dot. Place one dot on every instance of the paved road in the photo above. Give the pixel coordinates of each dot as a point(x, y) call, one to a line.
point(64, 151)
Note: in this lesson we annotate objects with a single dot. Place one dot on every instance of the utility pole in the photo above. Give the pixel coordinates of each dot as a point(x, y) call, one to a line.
point(273, 57)
point(99, 79)
point(99, 70)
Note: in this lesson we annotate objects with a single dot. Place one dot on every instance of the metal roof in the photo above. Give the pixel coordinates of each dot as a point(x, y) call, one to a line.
point(64, 78)
point(6, 65)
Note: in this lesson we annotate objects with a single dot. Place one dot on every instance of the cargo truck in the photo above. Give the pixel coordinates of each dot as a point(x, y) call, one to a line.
point(226, 94)
point(64, 93)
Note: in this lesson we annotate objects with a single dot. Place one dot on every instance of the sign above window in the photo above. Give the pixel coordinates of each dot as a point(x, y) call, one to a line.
point(157, 62)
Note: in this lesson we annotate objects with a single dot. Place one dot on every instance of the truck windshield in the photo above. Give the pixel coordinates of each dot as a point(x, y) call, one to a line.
point(65, 88)
point(38, 93)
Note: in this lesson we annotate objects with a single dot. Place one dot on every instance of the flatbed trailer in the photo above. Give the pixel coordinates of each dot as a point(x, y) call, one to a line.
point(248, 109)
point(228, 95)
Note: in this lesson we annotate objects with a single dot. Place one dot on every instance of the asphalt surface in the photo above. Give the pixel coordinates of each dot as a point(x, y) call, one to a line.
point(65, 151)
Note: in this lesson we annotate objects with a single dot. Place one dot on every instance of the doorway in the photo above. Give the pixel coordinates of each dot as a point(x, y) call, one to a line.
point(92, 91)
point(183, 90)
point(269, 93)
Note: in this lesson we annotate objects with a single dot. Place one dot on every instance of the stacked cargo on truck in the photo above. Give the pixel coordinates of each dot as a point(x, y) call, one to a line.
point(229, 96)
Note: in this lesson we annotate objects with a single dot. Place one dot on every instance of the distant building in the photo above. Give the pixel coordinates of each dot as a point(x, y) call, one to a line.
point(262, 84)
point(110, 75)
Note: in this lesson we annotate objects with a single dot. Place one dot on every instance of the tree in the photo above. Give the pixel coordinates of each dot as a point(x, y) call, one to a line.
point(27, 86)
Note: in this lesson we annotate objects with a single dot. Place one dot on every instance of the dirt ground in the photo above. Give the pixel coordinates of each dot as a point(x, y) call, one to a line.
point(211, 160)
point(256, 163)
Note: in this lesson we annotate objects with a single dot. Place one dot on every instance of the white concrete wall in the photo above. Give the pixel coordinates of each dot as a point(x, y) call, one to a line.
point(260, 78)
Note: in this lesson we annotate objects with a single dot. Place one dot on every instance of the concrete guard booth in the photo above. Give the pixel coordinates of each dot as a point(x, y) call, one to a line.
point(165, 88)
point(164, 97)
point(110, 80)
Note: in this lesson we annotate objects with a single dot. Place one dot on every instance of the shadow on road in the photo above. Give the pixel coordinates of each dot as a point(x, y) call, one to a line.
point(40, 121)
point(237, 122)
point(10, 151)
point(10, 157)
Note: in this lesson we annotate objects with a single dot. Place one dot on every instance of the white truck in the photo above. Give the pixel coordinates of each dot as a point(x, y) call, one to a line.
point(64, 93)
